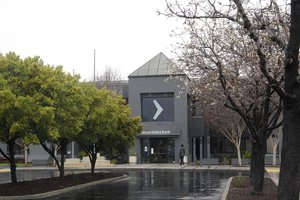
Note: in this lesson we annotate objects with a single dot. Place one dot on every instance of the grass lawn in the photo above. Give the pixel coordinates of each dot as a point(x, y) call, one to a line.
point(18, 164)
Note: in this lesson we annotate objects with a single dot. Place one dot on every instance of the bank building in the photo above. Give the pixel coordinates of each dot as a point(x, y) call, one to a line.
point(158, 92)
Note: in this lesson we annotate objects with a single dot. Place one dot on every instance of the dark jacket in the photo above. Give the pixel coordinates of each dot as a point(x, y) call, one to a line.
point(181, 152)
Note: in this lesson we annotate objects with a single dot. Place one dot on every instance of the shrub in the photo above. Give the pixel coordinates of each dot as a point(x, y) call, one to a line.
point(114, 161)
point(247, 154)
point(82, 154)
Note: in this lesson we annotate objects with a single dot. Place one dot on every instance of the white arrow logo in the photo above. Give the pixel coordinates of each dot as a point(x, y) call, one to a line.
point(159, 109)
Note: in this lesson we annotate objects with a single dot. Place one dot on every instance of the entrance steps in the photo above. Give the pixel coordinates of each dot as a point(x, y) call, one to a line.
point(85, 162)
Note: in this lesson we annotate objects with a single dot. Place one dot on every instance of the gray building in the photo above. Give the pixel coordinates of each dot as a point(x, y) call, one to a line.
point(158, 93)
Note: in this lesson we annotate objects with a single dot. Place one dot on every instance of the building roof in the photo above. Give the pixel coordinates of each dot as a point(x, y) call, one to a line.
point(159, 65)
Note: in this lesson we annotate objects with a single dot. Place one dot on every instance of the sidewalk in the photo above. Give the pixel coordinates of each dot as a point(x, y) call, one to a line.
point(4, 170)
point(143, 166)
point(175, 167)
point(7, 169)
point(273, 173)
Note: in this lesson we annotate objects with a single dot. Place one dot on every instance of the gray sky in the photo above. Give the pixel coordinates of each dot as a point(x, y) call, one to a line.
point(125, 33)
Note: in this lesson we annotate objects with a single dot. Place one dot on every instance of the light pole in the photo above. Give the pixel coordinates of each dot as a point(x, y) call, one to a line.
point(95, 67)
point(94, 146)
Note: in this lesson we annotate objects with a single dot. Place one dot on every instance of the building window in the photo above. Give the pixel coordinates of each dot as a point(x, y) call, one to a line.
point(157, 107)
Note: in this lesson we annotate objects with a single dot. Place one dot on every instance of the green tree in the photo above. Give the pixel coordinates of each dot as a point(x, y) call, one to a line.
point(21, 105)
point(15, 113)
point(127, 127)
point(41, 100)
point(16, 108)
point(7, 104)
point(108, 123)
point(69, 108)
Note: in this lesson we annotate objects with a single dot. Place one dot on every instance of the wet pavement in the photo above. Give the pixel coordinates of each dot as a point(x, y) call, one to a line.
point(144, 182)
point(161, 184)
point(153, 184)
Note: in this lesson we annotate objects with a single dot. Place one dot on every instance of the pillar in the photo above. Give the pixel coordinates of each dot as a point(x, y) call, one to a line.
point(208, 151)
point(201, 149)
point(73, 149)
point(194, 150)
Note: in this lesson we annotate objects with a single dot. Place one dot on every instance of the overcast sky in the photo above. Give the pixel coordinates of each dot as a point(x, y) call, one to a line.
point(124, 33)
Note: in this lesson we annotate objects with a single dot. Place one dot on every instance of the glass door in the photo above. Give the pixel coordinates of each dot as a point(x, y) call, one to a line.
point(158, 150)
point(161, 150)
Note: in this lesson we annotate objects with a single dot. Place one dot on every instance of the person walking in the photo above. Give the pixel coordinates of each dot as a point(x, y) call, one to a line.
point(181, 155)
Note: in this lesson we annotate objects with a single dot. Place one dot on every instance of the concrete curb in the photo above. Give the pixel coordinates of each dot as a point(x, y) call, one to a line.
point(81, 187)
point(226, 190)
point(175, 167)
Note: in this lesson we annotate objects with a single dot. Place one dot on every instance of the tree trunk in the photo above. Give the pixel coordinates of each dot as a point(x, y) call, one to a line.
point(274, 154)
point(93, 162)
point(55, 154)
point(12, 161)
point(51, 153)
point(251, 165)
point(62, 160)
point(91, 153)
point(239, 155)
point(26, 154)
point(289, 178)
point(258, 166)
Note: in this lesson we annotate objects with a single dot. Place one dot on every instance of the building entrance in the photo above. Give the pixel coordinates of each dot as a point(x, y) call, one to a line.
point(158, 150)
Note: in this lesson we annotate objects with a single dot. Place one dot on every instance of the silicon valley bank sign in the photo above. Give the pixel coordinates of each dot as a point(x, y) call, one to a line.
point(156, 132)
point(160, 129)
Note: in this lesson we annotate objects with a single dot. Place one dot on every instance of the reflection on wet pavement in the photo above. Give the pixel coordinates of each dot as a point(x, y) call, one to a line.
point(161, 184)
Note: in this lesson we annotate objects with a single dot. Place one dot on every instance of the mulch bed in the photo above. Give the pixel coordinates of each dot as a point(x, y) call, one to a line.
point(50, 184)
point(242, 189)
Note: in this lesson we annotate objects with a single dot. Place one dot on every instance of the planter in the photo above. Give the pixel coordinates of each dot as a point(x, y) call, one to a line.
point(211, 161)
point(132, 159)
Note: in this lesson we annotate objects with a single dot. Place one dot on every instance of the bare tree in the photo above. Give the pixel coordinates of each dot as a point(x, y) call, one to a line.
point(25, 143)
point(223, 47)
point(111, 79)
point(208, 96)
point(274, 139)
point(279, 24)
point(110, 74)
point(227, 123)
